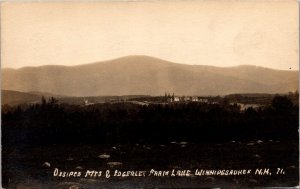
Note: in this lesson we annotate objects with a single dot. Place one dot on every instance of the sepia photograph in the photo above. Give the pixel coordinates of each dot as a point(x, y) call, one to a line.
point(149, 94)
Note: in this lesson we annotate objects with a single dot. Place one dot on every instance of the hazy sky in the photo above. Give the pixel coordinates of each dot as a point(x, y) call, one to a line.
point(209, 32)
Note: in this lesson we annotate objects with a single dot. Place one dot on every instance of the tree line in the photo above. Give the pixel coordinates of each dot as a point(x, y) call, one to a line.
point(50, 122)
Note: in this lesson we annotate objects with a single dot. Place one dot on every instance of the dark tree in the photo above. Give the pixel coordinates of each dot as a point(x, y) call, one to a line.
point(282, 104)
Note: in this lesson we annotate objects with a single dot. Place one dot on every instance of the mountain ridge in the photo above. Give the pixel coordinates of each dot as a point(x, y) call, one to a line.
point(144, 57)
point(150, 76)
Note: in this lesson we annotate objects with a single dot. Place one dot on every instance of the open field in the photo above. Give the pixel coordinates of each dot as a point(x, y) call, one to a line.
point(26, 167)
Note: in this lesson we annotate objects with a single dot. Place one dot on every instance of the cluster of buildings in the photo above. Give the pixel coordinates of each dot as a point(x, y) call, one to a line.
point(186, 99)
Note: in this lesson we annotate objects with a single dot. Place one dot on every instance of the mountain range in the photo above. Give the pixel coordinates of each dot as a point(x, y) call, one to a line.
point(146, 75)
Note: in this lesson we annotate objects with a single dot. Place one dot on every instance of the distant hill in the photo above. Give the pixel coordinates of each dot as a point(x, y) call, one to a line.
point(15, 97)
point(47, 95)
point(148, 76)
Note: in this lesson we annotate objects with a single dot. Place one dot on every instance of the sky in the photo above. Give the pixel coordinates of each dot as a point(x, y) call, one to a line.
point(205, 32)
